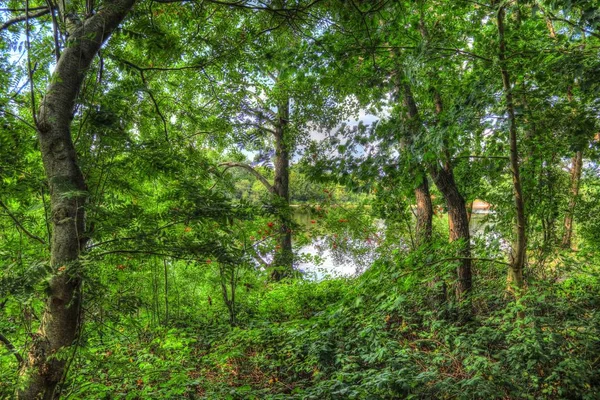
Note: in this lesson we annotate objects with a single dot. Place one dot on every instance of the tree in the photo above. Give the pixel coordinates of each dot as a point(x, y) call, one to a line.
point(61, 319)
point(279, 99)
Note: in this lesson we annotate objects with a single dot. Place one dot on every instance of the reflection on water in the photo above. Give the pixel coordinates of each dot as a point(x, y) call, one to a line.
point(318, 261)
point(328, 266)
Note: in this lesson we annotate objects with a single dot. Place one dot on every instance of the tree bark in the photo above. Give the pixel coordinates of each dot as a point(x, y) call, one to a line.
point(459, 225)
point(518, 252)
point(44, 367)
point(576, 167)
point(458, 217)
point(424, 212)
point(424, 228)
point(284, 259)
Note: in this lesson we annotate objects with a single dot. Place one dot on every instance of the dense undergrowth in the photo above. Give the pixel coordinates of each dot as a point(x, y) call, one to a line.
point(378, 336)
point(379, 342)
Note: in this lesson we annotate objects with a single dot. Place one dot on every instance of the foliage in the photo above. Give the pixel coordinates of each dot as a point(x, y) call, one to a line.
point(177, 247)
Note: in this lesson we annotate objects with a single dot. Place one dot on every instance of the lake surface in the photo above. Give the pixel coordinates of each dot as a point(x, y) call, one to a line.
point(336, 264)
point(322, 260)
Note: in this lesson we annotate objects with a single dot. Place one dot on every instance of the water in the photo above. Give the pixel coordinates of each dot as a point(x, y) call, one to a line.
point(319, 261)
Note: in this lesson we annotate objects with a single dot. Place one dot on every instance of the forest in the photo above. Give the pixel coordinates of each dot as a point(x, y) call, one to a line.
point(299, 199)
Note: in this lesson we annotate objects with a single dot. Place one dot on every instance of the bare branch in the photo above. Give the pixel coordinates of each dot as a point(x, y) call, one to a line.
point(482, 157)
point(150, 94)
point(22, 9)
point(24, 17)
point(55, 31)
point(137, 237)
point(142, 69)
point(29, 68)
point(162, 117)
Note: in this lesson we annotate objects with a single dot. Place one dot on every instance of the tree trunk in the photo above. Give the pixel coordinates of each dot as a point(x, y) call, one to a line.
point(44, 367)
point(576, 167)
point(518, 251)
point(284, 258)
point(423, 197)
point(459, 225)
point(458, 217)
point(424, 212)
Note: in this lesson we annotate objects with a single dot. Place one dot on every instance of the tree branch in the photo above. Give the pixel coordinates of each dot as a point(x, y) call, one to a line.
point(55, 31)
point(29, 69)
point(137, 237)
point(22, 9)
point(12, 349)
point(24, 17)
point(137, 67)
point(260, 127)
point(156, 107)
point(263, 113)
point(141, 70)
point(16, 221)
point(574, 25)
point(147, 252)
point(468, 258)
point(254, 172)
point(484, 157)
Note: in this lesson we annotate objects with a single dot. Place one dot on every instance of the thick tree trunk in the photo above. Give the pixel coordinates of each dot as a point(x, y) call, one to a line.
point(44, 367)
point(458, 217)
point(459, 225)
point(576, 167)
point(284, 257)
point(518, 251)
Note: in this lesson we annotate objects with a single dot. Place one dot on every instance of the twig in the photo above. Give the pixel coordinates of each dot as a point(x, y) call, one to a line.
point(29, 69)
point(12, 349)
point(16, 221)
point(468, 258)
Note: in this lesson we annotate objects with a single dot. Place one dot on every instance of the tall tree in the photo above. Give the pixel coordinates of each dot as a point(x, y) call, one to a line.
point(519, 246)
point(442, 172)
point(46, 360)
point(575, 179)
point(442, 169)
point(276, 124)
point(279, 97)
